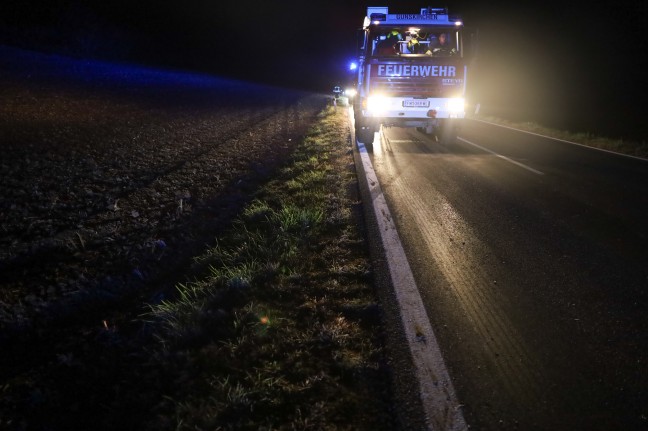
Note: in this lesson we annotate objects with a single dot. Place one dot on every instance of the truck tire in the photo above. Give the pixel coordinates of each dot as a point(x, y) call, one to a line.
point(448, 132)
point(365, 135)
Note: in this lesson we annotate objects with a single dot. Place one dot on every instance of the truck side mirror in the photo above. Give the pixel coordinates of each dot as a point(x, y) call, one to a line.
point(361, 41)
point(473, 44)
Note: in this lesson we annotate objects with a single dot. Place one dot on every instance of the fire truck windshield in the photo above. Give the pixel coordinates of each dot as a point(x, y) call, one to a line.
point(418, 41)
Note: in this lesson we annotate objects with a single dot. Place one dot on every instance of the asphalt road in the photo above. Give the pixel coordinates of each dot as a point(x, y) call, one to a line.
point(531, 257)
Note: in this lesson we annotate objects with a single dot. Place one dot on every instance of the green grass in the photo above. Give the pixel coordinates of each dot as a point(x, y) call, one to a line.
point(279, 330)
point(632, 148)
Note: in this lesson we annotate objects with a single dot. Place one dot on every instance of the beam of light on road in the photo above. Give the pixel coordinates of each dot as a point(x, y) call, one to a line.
point(442, 227)
point(440, 404)
point(522, 165)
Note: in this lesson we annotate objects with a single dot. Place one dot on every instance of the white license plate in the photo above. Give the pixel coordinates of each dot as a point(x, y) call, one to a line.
point(416, 103)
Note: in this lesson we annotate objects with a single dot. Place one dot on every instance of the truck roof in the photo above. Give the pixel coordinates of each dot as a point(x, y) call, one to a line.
point(428, 16)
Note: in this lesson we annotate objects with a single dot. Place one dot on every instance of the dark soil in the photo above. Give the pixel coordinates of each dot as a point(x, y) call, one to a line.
point(112, 179)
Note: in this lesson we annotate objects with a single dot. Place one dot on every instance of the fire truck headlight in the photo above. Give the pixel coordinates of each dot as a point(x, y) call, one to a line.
point(455, 105)
point(377, 104)
point(350, 92)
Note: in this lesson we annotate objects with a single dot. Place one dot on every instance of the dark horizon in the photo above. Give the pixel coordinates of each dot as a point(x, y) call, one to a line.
point(563, 65)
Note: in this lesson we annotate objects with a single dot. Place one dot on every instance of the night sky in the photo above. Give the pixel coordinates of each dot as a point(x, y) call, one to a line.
point(562, 63)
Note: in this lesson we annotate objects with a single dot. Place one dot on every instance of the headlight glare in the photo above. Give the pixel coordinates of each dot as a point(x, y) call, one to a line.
point(456, 104)
point(377, 103)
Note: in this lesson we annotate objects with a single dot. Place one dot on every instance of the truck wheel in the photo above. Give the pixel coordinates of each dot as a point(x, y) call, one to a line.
point(365, 135)
point(448, 135)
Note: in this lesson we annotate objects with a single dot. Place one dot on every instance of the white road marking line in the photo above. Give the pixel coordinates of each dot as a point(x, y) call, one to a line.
point(441, 406)
point(562, 140)
point(522, 165)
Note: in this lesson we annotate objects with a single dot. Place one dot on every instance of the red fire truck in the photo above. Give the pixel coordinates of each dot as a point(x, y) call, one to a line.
point(411, 73)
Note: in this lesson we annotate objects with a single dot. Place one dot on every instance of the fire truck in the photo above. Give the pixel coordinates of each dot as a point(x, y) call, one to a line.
point(411, 73)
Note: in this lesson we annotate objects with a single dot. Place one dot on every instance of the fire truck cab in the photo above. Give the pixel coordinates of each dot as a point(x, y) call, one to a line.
point(411, 73)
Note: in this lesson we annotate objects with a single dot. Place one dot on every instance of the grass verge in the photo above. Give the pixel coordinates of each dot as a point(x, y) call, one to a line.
point(631, 148)
point(280, 328)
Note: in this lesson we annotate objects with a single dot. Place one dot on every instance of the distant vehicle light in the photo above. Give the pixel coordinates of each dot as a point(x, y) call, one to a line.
point(353, 66)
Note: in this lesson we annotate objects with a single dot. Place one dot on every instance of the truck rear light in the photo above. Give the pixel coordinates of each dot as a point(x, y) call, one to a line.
point(432, 113)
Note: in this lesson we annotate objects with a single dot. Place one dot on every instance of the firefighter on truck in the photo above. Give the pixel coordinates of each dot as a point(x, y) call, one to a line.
point(411, 73)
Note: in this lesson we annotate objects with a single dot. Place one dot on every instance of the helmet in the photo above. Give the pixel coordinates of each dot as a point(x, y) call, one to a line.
point(394, 33)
